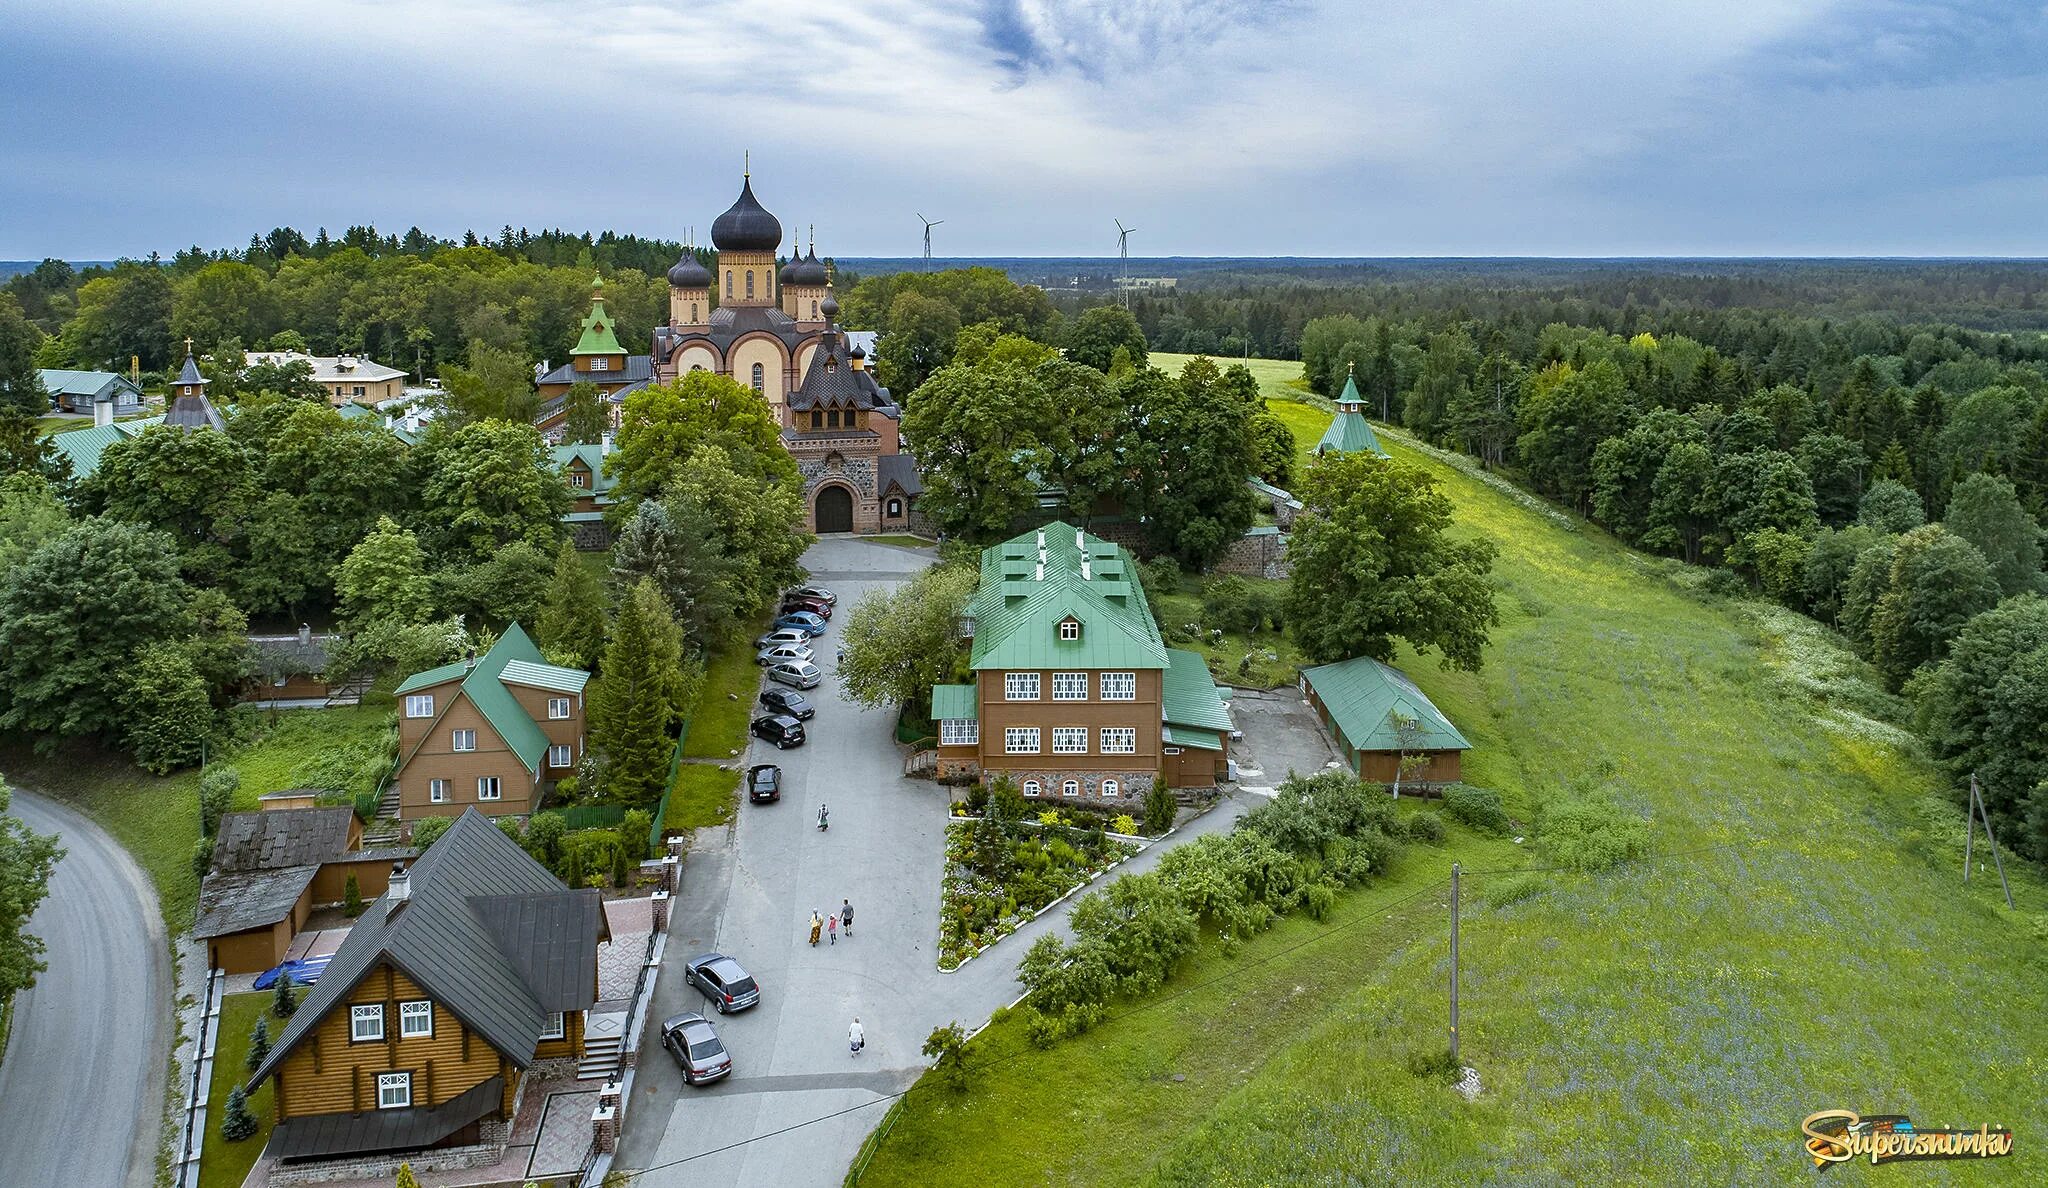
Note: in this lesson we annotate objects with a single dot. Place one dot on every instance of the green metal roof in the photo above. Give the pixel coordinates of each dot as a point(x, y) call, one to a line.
point(592, 456)
point(83, 447)
point(1182, 736)
point(1021, 602)
point(546, 676)
point(598, 336)
point(1350, 433)
point(954, 702)
point(60, 381)
point(485, 686)
point(1362, 696)
point(1190, 695)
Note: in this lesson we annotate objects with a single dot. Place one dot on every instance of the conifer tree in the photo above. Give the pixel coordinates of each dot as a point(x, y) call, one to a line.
point(638, 698)
point(237, 1123)
point(259, 1043)
point(285, 1001)
point(572, 616)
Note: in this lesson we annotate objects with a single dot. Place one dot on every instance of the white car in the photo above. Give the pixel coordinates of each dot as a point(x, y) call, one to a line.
point(784, 652)
point(784, 635)
point(797, 673)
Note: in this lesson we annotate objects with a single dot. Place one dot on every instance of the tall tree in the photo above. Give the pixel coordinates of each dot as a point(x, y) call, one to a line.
point(384, 579)
point(1964, 707)
point(586, 413)
point(1564, 417)
point(1891, 506)
point(1093, 338)
point(29, 515)
point(919, 341)
point(641, 691)
point(1197, 451)
point(1683, 507)
point(167, 715)
point(1445, 383)
point(1938, 581)
point(1372, 564)
point(1625, 470)
point(756, 526)
point(668, 543)
point(1985, 510)
point(27, 860)
point(1835, 467)
point(496, 386)
point(485, 485)
point(21, 383)
point(975, 432)
point(196, 485)
point(900, 644)
point(571, 620)
point(661, 425)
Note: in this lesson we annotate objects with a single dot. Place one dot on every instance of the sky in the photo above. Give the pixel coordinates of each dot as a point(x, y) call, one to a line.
point(1215, 127)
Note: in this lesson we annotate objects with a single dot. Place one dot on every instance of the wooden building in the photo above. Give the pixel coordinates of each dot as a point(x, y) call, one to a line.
point(1376, 716)
point(271, 868)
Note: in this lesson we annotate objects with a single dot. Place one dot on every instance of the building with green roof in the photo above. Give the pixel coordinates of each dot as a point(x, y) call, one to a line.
point(1349, 431)
point(491, 732)
point(1075, 694)
point(1377, 717)
point(83, 447)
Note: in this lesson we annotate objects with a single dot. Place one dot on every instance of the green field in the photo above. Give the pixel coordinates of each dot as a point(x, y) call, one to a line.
point(1801, 941)
point(1287, 397)
point(718, 726)
point(223, 1164)
point(157, 819)
point(704, 794)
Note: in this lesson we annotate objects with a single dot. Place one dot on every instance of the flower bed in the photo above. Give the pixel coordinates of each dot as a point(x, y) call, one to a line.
point(1002, 870)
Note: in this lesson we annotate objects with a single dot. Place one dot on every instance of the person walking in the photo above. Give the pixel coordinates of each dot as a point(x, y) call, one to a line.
point(846, 916)
point(832, 929)
point(856, 1039)
point(816, 925)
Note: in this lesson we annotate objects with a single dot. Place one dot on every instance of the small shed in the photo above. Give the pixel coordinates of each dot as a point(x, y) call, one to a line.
point(270, 868)
point(1363, 704)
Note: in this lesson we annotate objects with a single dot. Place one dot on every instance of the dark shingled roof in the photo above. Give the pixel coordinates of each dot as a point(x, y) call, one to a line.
point(746, 226)
point(832, 381)
point(241, 900)
point(728, 323)
point(194, 412)
point(639, 369)
point(689, 272)
point(289, 655)
point(900, 471)
point(383, 1130)
point(470, 898)
point(279, 838)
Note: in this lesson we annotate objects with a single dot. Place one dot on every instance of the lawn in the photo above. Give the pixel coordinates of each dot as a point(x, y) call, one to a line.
point(704, 794)
point(1802, 940)
point(1275, 659)
point(157, 819)
point(223, 1164)
point(718, 724)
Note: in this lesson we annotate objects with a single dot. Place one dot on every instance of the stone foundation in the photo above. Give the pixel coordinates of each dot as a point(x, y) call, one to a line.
point(1131, 785)
point(496, 1133)
point(591, 536)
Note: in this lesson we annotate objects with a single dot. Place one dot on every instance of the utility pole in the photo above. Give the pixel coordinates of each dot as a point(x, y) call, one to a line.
point(1454, 967)
point(1977, 810)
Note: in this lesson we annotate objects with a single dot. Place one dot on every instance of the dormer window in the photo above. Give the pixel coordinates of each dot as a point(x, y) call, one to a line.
point(831, 366)
point(600, 364)
point(1070, 629)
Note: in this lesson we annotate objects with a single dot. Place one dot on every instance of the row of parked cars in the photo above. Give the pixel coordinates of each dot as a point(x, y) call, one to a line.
point(787, 654)
point(690, 1037)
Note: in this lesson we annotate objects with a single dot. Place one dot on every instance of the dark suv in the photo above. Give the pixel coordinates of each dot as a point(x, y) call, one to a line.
point(729, 987)
point(781, 729)
point(788, 701)
point(764, 783)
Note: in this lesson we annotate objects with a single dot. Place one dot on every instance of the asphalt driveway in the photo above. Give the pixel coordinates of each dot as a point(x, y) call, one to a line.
point(82, 1085)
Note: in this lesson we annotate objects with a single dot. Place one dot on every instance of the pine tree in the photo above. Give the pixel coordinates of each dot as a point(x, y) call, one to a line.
point(638, 698)
point(572, 616)
point(352, 897)
point(285, 1001)
point(259, 1043)
point(237, 1123)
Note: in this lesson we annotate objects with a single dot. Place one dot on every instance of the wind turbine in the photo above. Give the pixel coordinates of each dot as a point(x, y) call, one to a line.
point(1123, 252)
point(928, 225)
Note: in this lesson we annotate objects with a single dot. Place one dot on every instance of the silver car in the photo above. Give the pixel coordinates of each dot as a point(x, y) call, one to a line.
point(784, 635)
point(792, 653)
point(694, 1043)
point(797, 673)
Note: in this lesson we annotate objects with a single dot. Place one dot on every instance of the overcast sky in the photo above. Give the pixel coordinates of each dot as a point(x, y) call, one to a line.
point(1216, 127)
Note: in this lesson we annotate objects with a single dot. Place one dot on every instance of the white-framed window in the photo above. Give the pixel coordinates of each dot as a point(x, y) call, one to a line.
point(1020, 740)
point(558, 755)
point(1119, 740)
point(1070, 788)
point(1169, 750)
point(1070, 740)
point(558, 707)
point(895, 508)
point(1110, 788)
point(1031, 788)
point(415, 1018)
point(365, 1022)
point(1070, 630)
point(394, 1090)
point(600, 364)
point(437, 791)
point(419, 705)
point(1119, 686)
point(578, 479)
point(959, 732)
point(488, 788)
point(555, 1028)
point(1020, 686)
point(760, 372)
point(465, 740)
point(1070, 686)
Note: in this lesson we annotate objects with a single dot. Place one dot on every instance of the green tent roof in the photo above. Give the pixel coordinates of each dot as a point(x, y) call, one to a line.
point(1190, 694)
point(1362, 696)
point(599, 337)
point(954, 703)
point(485, 685)
point(1021, 602)
point(1350, 432)
point(83, 447)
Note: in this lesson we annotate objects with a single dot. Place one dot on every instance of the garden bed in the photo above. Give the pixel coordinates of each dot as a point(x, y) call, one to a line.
point(1002, 871)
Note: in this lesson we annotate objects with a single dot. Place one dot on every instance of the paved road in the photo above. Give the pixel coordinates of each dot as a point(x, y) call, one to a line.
point(82, 1086)
point(750, 893)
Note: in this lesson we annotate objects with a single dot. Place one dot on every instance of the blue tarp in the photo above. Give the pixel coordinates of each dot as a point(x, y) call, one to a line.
point(305, 973)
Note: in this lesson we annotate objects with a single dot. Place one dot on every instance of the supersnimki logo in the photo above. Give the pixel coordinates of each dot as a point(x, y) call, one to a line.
point(1837, 1136)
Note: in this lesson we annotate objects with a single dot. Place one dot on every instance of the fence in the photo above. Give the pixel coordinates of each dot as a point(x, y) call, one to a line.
point(591, 816)
point(675, 764)
point(193, 1136)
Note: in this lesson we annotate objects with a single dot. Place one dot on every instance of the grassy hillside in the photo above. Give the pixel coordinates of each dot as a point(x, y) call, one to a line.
point(1802, 941)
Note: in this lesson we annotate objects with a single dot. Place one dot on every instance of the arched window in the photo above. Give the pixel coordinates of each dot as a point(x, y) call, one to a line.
point(1070, 788)
point(1110, 790)
point(760, 375)
point(814, 311)
point(728, 284)
point(1031, 787)
point(750, 284)
point(693, 313)
point(895, 507)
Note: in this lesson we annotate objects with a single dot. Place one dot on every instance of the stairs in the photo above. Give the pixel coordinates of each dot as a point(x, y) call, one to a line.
point(604, 1035)
point(349, 692)
point(384, 829)
point(921, 763)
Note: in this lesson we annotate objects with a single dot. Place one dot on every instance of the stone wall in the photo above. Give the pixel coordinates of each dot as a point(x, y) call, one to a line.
point(591, 536)
point(1131, 785)
point(496, 1132)
point(1259, 554)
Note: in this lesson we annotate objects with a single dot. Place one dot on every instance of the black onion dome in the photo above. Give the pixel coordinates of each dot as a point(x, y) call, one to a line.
point(858, 352)
point(689, 273)
point(829, 307)
point(746, 226)
point(807, 271)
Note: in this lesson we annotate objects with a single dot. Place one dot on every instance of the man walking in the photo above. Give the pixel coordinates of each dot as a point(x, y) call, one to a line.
point(846, 917)
point(855, 1038)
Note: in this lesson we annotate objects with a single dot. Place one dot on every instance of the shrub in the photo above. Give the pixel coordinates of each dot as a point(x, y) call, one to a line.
point(1006, 804)
point(1514, 890)
point(1160, 808)
point(1320, 898)
point(428, 830)
point(565, 788)
point(1587, 831)
point(1231, 604)
point(1433, 1065)
point(1479, 808)
point(1424, 827)
point(1049, 817)
point(633, 834)
point(622, 872)
point(947, 1047)
point(509, 826)
point(217, 787)
point(544, 835)
point(202, 857)
point(351, 897)
point(237, 1123)
point(1125, 824)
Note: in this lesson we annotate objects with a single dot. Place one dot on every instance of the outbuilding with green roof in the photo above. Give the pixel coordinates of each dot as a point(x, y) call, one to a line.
point(1349, 431)
point(1377, 717)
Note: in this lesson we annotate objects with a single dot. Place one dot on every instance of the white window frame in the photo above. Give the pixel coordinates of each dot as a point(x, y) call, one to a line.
point(1110, 788)
point(1070, 630)
point(959, 732)
point(556, 1027)
point(456, 739)
point(1112, 736)
point(419, 705)
point(361, 1013)
point(437, 791)
point(416, 1019)
point(561, 755)
point(1020, 686)
point(489, 788)
point(1015, 738)
point(1031, 789)
point(578, 479)
point(558, 708)
point(386, 1082)
point(1070, 686)
point(1125, 687)
point(1070, 740)
point(1070, 788)
point(600, 363)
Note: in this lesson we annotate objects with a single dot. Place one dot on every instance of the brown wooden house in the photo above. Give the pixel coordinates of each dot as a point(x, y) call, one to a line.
point(469, 974)
point(1377, 717)
point(271, 868)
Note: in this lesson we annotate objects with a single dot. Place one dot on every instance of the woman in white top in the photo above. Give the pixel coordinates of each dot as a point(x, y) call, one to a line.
point(855, 1039)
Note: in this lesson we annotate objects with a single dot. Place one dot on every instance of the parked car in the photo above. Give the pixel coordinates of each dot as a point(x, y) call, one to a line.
point(800, 673)
point(818, 592)
point(788, 701)
point(783, 651)
point(784, 731)
point(764, 783)
point(803, 621)
point(816, 606)
point(783, 635)
point(694, 1043)
point(729, 987)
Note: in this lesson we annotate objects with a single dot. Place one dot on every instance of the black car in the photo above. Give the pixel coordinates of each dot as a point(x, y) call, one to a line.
point(764, 783)
point(729, 987)
point(694, 1043)
point(781, 729)
point(790, 702)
